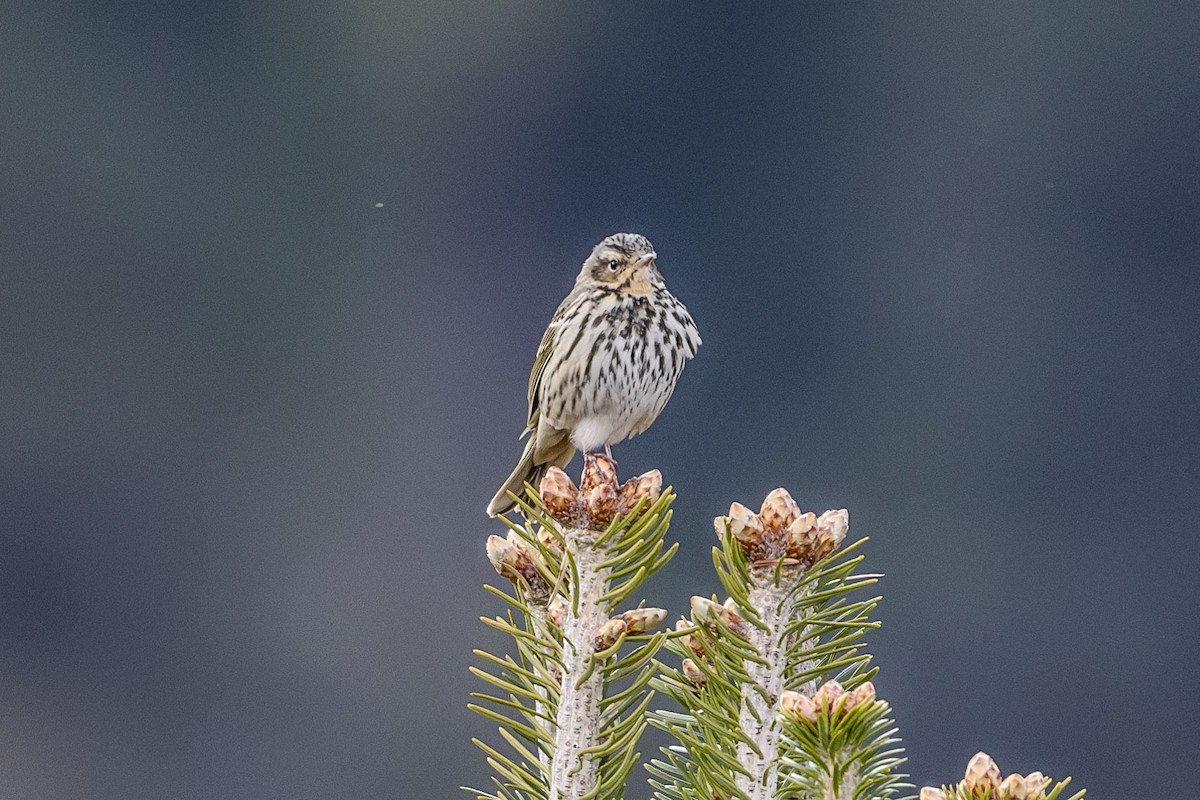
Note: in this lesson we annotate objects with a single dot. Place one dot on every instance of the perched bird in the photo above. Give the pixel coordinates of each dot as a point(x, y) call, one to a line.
point(606, 365)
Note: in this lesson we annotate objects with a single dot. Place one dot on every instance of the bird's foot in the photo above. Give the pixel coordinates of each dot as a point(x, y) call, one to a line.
point(606, 455)
point(600, 464)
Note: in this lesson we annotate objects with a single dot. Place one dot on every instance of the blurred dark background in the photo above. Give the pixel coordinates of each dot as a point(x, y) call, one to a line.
point(943, 257)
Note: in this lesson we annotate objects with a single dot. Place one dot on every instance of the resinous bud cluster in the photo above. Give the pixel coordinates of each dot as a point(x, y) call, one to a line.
point(781, 531)
point(830, 701)
point(517, 560)
point(630, 623)
point(598, 498)
point(982, 781)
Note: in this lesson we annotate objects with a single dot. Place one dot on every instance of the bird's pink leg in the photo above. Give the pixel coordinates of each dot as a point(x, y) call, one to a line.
point(608, 455)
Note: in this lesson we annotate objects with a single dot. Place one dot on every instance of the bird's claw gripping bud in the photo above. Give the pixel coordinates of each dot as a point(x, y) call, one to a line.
point(597, 470)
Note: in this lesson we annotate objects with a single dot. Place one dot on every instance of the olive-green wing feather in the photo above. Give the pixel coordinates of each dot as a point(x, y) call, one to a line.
point(539, 366)
point(566, 310)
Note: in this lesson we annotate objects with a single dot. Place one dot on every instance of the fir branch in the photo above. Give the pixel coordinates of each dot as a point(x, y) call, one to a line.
point(572, 704)
point(790, 620)
point(775, 692)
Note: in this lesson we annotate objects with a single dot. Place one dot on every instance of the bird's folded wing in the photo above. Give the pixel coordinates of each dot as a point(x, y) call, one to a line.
point(539, 366)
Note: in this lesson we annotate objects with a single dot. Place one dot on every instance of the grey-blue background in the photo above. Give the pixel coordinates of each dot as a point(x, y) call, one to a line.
point(943, 256)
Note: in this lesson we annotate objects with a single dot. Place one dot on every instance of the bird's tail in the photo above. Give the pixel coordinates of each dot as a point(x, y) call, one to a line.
point(527, 471)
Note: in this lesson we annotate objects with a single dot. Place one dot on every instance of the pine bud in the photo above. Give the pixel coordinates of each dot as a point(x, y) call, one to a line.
point(1012, 788)
point(930, 793)
point(798, 706)
point(982, 774)
point(647, 486)
point(706, 612)
point(517, 560)
point(1035, 784)
point(788, 700)
point(558, 610)
point(693, 674)
point(548, 540)
point(608, 633)
point(601, 503)
point(831, 531)
point(778, 510)
point(689, 641)
point(864, 694)
point(558, 492)
point(828, 695)
point(504, 556)
point(744, 525)
point(640, 620)
point(802, 534)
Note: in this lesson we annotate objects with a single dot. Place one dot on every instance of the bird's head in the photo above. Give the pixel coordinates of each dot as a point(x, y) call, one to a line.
point(624, 261)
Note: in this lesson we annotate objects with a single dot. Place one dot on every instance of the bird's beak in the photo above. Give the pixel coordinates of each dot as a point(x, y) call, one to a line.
point(646, 260)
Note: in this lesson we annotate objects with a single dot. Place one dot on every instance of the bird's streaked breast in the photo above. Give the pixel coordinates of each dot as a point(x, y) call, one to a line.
point(615, 363)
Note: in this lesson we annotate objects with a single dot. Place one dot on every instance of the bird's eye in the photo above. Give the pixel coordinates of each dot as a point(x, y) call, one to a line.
point(612, 265)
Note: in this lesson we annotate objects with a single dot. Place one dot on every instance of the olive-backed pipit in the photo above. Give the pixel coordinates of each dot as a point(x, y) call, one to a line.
point(607, 363)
